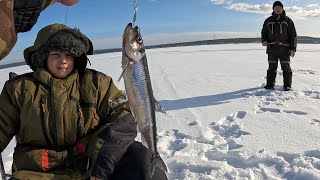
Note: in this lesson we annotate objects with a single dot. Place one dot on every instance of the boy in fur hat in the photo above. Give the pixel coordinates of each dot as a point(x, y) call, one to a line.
point(70, 122)
point(279, 35)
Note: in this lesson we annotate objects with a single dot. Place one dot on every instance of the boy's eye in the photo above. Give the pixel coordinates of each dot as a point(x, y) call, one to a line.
point(55, 55)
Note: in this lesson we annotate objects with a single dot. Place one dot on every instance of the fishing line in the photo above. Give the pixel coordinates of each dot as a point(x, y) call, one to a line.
point(66, 16)
point(135, 12)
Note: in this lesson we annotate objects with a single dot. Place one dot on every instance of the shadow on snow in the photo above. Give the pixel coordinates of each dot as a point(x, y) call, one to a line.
point(208, 100)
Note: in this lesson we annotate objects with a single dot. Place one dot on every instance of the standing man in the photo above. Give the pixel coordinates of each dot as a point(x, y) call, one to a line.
point(280, 37)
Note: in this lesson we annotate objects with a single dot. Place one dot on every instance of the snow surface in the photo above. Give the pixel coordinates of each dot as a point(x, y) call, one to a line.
point(220, 122)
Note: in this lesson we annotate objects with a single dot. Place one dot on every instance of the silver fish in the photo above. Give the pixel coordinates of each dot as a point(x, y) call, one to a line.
point(139, 92)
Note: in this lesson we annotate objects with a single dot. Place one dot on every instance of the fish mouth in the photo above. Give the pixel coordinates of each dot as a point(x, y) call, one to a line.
point(132, 35)
point(132, 43)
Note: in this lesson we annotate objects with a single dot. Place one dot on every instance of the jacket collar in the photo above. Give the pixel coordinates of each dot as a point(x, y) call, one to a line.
point(45, 78)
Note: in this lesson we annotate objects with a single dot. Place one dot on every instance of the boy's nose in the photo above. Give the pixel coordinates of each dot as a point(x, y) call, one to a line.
point(63, 59)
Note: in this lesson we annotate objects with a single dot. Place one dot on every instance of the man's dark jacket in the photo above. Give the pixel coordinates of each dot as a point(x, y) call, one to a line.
point(281, 29)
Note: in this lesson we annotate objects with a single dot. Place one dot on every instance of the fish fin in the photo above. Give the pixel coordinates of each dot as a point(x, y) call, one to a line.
point(124, 69)
point(158, 107)
point(132, 113)
point(157, 162)
point(144, 142)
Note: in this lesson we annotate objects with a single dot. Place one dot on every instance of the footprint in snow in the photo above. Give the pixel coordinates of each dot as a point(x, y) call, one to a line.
point(315, 122)
point(172, 141)
point(194, 123)
point(235, 116)
point(228, 127)
point(295, 112)
point(312, 94)
point(275, 110)
point(302, 71)
point(241, 114)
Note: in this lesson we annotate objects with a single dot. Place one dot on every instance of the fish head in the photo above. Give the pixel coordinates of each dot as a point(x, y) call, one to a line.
point(132, 45)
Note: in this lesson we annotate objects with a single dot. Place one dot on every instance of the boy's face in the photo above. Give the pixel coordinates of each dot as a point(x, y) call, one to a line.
point(60, 65)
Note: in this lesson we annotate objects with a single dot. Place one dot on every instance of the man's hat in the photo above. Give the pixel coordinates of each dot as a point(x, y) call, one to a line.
point(277, 3)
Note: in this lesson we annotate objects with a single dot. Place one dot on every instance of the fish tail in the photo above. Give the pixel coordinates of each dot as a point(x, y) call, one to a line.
point(157, 162)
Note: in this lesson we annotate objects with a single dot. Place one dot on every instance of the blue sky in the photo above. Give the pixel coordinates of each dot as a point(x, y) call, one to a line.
point(106, 19)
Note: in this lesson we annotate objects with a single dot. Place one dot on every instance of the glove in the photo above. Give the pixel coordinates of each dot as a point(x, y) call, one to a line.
point(265, 43)
point(292, 53)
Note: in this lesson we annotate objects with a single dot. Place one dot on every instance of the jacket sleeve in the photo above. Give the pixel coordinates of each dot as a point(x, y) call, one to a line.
point(292, 36)
point(9, 115)
point(264, 32)
point(111, 101)
point(117, 136)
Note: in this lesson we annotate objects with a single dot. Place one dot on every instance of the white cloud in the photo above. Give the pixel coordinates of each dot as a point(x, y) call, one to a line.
point(302, 13)
point(221, 2)
point(311, 10)
point(313, 6)
point(251, 8)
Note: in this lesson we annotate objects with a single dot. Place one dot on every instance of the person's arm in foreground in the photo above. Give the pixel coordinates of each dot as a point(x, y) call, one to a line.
point(117, 136)
point(8, 36)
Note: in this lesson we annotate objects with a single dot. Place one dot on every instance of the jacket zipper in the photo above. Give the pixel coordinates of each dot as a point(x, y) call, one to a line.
point(55, 135)
point(79, 116)
point(79, 120)
point(43, 118)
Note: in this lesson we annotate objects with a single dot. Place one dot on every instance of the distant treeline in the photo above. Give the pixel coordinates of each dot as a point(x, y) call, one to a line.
point(301, 40)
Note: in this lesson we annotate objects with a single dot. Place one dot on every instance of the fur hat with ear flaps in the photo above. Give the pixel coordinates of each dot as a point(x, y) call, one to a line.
point(61, 38)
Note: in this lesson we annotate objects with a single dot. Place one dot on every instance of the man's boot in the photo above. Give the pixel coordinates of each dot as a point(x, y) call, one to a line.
point(287, 81)
point(271, 78)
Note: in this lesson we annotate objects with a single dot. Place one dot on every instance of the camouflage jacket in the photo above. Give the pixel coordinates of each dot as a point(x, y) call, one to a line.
point(60, 124)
